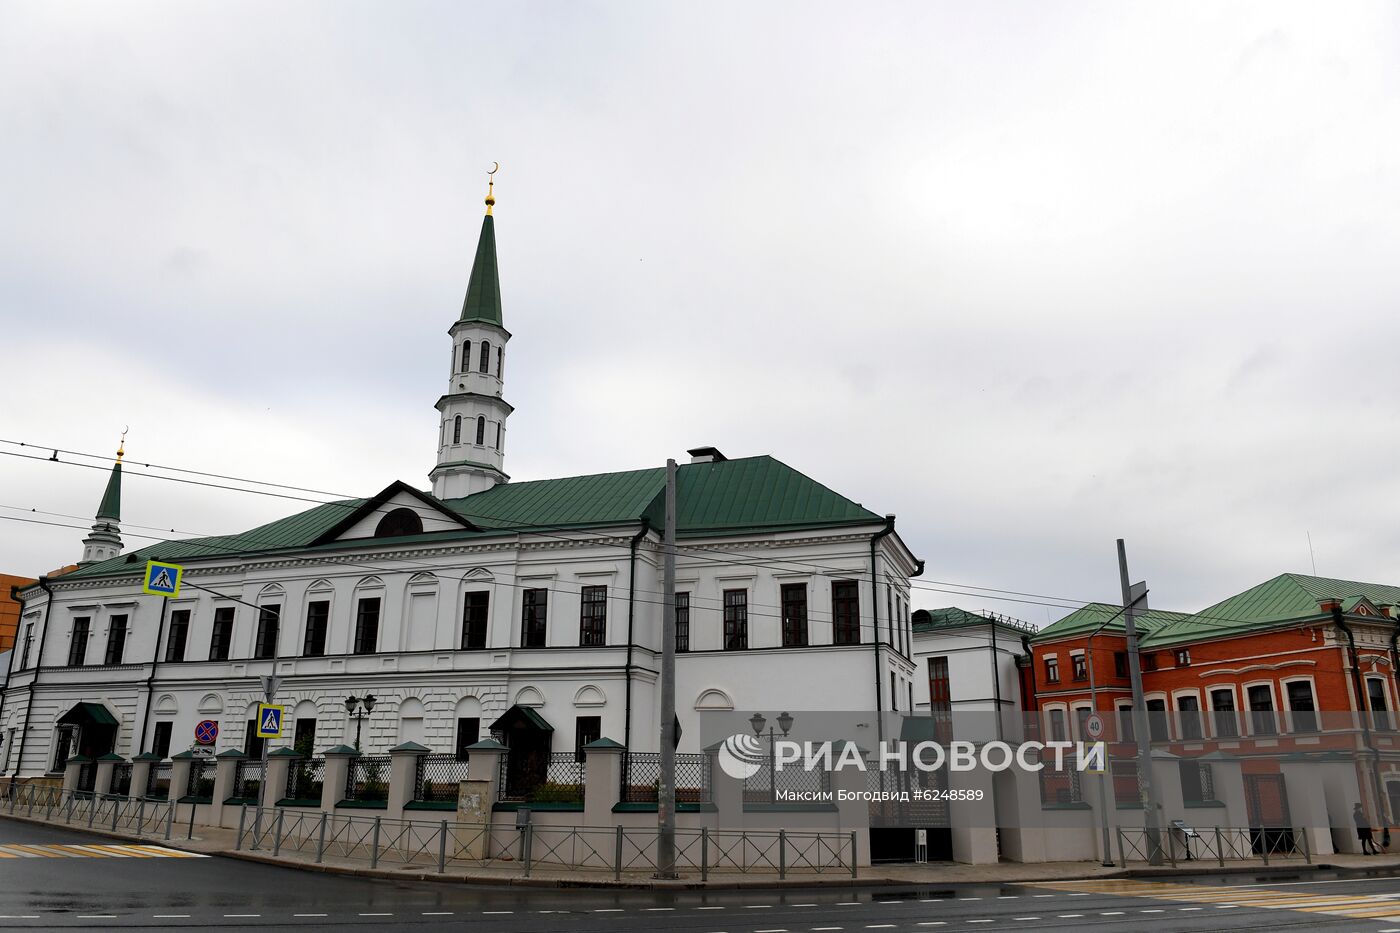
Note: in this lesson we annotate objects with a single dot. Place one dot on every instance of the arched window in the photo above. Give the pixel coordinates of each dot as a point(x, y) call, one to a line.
point(498, 435)
point(485, 355)
point(498, 361)
point(480, 430)
point(399, 522)
point(466, 357)
point(457, 430)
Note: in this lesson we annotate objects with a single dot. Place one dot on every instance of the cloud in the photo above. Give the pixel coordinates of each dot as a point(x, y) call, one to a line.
point(1033, 279)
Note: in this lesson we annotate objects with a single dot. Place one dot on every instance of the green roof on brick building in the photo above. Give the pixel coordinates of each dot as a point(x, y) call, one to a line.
point(746, 495)
point(1289, 597)
point(1109, 616)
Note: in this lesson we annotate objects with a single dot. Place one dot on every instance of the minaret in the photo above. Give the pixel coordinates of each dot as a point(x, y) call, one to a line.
point(105, 541)
point(472, 422)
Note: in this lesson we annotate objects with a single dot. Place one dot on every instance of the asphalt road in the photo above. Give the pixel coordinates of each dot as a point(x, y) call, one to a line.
point(52, 878)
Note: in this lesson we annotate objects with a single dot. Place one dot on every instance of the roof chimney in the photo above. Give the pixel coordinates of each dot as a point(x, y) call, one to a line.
point(1329, 604)
point(706, 455)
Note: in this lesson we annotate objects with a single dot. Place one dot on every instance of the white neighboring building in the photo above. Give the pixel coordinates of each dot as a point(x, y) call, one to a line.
point(968, 663)
point(533, 608)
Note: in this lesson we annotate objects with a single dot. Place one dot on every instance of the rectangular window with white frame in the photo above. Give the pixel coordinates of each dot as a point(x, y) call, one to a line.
point(1223, 712)
point(1302, 704)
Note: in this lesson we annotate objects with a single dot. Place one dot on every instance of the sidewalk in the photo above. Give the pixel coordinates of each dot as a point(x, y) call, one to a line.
point(223, 842)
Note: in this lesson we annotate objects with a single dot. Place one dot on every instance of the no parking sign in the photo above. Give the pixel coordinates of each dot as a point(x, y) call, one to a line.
point(206, 732)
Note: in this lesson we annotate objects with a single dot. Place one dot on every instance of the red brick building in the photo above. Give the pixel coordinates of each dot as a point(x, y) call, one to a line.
point(1296, 668)
point(9, 609)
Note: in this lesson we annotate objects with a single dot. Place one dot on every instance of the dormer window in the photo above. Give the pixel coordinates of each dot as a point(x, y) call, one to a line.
point(457, 430)
point(399, 522)
point(480, 430)
point(485, 356)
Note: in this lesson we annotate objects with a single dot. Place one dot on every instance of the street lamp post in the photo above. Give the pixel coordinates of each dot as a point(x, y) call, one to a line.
point(359, 707)
point(784, 723)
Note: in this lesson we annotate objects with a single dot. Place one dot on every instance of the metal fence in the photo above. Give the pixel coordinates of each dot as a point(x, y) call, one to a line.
point(771, 784)
point(1176, 844)
point(200, 785)
point(306, 780)
point(367, 779)
point(135, 815)
point(439, 778)
point(641, 775)
point(554, 778)
point(158, 780)
point(1060, 788)
point(437, 846)
point(121, 779)
point(248, 779)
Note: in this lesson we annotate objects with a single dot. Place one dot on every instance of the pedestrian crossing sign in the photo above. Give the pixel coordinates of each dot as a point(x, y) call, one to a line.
point(269, 721)
point(162, 579)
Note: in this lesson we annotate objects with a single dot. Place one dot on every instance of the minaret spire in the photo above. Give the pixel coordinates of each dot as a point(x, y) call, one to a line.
point(471, 432)
point(105, 540)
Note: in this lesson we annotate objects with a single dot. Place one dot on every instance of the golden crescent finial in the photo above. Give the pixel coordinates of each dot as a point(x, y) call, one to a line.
point(121, 447)
point(491, 187)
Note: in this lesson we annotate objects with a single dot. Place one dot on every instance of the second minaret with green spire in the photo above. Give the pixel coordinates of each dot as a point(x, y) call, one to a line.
point(472, 415)
point(105, 539)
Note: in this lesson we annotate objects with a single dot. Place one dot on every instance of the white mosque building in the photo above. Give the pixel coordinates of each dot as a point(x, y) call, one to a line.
point(528, 610)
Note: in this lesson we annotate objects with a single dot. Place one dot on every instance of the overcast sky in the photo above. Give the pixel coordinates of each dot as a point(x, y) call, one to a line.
point(1032, 276)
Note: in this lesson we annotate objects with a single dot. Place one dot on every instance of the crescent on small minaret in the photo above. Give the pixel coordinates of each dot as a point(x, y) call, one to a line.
point(491, 187)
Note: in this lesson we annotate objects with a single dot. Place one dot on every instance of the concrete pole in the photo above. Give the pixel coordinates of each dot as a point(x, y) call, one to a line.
point(666, 785)
point(1141, 728)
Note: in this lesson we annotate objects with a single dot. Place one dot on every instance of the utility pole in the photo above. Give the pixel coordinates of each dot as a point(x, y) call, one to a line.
point(1141, 729)
point(666, 785)
point(1107, 859)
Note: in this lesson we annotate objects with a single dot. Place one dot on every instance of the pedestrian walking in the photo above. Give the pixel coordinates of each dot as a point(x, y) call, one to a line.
point(1363, 831)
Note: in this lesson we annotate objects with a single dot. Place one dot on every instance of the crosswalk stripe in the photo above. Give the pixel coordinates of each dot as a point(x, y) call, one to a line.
point(1349, 906)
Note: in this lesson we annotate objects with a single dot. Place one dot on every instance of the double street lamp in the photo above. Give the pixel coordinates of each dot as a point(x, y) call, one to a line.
point(359, 707)
point(757, 722)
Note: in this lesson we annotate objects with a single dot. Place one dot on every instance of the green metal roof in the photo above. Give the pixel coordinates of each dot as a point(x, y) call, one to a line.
point(111, 506)
point(750, 493)
point(731, 496)
point(1285, 598)
point(600, 499)
point(953, 617)
point(483, 301)
point(1086, 619)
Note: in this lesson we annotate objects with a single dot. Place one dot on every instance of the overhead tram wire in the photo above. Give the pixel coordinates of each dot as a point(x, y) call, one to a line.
point(1034, 599)
point(406, 564)
point(436, 569)
point(544, 530)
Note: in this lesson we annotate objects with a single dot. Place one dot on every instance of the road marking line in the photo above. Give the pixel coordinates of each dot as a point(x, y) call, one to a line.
point(828, 928)
point(242, 915)
point(497, 913)
point(980, 921)
point(879, 926)
point(308, 915)
point(1111, 913)
point(1068, 916)
point(749, 907)
point(709, 908)
point(1190, 908)
point(969, 898)
point(1007, 897)
point(933, 923)
point(1025, 918)
point(170, 916)
point(376, 915)
point(848, 903)
point(660, 908)
point(437, 913)
point(778, 930)
point(618, 910)
point(802, 905)
point(97, 916)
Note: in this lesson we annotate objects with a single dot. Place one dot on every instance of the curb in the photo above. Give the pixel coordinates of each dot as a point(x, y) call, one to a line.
point(604, 883)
